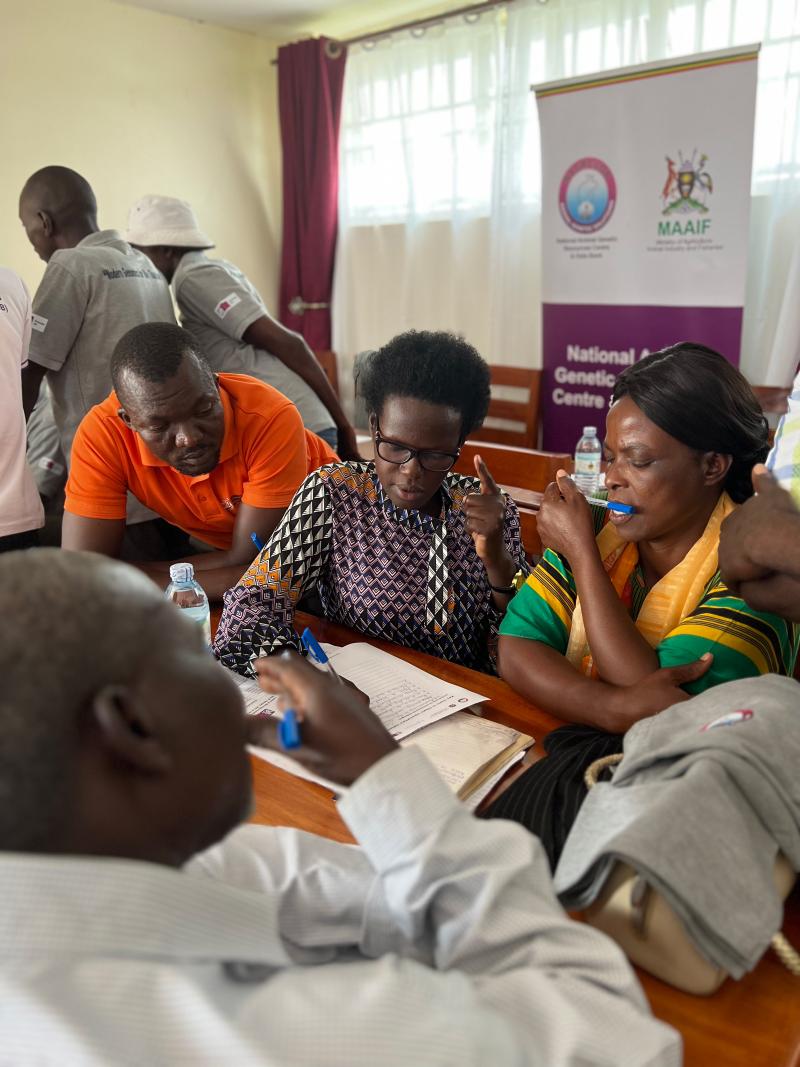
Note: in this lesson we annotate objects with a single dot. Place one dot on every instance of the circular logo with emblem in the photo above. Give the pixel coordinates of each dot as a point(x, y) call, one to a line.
point(587, 195)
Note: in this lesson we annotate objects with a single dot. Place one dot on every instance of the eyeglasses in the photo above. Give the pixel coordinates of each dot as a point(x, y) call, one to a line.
point(398, 453)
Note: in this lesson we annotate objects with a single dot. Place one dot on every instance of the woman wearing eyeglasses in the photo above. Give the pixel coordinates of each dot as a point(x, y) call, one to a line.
point(399, 548)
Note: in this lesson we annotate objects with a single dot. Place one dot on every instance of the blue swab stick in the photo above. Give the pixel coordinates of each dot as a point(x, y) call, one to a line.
point(612, 505)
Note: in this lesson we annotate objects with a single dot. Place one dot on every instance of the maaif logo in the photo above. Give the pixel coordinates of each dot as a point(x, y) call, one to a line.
point(687, 187)
point(587, 195)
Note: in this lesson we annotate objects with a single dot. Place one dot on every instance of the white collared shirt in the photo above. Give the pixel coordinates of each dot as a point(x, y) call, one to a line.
point(20, 506)
point(439, 941)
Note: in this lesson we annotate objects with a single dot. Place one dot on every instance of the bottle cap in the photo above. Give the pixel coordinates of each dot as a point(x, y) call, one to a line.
point(590, 431)
point(181, 572)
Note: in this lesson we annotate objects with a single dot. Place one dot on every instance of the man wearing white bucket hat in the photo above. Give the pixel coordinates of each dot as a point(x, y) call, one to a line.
point(228, 319)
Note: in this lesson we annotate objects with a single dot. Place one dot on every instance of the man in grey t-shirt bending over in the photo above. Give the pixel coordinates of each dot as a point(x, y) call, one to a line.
point(95, 288)
point(229, 321)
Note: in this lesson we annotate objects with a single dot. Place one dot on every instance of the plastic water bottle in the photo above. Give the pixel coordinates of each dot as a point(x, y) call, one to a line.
point(190, 597)
point(588, 453)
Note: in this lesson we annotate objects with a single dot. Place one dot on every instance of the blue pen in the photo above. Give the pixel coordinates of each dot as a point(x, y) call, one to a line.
point(289, 730)
point(257, 541)
point(611, 505)
point(317, 653)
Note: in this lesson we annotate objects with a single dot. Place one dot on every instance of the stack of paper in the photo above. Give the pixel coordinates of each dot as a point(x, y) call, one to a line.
point(470, 753)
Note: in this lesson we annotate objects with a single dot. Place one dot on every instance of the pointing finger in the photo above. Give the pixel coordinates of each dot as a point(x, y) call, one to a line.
point(763, 479)
point(488, 484)
point(767, 485)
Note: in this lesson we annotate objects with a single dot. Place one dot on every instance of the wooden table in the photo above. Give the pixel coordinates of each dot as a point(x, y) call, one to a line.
point(751, 1023)
point(283, 800)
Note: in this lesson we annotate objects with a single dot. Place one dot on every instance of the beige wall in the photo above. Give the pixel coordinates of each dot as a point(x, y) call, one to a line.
point(353, 19)
point(139, 103)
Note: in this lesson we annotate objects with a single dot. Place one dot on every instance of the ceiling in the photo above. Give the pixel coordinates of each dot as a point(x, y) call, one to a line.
point(284, 19)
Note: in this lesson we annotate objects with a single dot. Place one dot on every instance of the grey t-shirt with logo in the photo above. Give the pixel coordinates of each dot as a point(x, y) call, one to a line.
point(217, 303)
point(89, 297)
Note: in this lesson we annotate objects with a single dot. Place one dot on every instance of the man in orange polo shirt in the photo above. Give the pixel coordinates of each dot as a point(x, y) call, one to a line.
point(220, 456)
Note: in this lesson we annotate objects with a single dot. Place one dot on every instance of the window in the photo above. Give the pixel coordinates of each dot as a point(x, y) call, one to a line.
point(427, 119)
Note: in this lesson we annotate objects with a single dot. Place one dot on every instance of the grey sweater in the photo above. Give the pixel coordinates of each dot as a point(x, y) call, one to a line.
point(700, 807)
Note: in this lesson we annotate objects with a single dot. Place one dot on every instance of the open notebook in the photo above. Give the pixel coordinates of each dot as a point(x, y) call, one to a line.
point(468, 751)
point(417, 708)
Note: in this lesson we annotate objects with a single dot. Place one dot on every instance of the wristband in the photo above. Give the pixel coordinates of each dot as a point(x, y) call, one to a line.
point(516, 584)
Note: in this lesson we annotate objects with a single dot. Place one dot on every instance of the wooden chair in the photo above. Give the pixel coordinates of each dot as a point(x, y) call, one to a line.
point(531, 541)
point(327, 360)
point(523, 412)
point(366, 444)
point(774, 399)
point(520, 467)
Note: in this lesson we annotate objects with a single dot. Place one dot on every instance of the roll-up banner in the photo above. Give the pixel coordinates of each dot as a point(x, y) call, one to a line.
point(645, 207)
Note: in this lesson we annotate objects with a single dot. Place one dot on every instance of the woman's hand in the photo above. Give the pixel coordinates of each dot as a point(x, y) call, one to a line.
point(564, 521)
point(341, 737)
point(658, 691)
point(545, 677)
point(485, 513)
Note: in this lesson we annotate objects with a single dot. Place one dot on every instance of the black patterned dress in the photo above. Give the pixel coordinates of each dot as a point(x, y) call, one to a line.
point(390, 573)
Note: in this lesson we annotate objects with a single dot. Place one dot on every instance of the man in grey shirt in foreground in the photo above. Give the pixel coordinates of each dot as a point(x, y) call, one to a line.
point(132, 933)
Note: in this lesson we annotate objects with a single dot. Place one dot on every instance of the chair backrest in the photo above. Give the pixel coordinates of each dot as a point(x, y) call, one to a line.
point(774, 399)
point(366, 444)
point(525, 413)
point(327, 360)
point(531, 541)
point(522, 467)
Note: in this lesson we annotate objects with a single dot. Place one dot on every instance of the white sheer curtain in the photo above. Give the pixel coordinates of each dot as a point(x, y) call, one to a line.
point(439, 210)
point(418, 158)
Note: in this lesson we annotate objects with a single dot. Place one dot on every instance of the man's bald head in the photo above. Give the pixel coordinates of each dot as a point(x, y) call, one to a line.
point(59, 650)
point(61, 191)
point(101, 683)
point(58, 209)
point(152, 353)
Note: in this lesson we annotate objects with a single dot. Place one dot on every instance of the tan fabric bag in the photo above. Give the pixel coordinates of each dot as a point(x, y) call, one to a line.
point(649, 932)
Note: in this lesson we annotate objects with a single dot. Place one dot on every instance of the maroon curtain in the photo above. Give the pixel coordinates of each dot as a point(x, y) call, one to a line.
point(310, 84)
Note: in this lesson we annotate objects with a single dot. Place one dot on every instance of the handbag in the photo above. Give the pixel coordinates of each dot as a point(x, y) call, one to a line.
point(649, 932)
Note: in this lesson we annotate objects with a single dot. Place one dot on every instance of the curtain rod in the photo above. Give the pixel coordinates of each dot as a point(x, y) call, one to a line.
point(424, 23)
